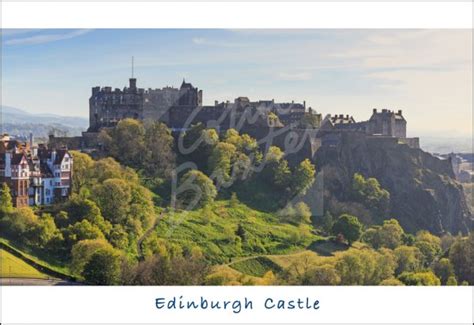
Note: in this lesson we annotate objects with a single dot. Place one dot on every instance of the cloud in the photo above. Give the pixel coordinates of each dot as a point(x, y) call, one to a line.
point(46, 38)
point(295, 76)
point(205, 41)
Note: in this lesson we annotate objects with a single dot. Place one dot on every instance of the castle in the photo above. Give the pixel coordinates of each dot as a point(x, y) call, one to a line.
point(174, 106)
point(179, 108)
point(36, 175)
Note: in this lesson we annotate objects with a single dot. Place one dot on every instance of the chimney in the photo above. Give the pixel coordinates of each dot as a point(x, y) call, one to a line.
point(304, 104)
point(216, 103)
point(374, 111)
point(400, 112)
point(31, 140)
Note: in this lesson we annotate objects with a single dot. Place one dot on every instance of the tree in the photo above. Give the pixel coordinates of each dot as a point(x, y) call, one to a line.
point(389, 235)
point(302, 213)
point(370, 194)
point(80, 231)
point(303, 177)
point(82, 251)
point(348, 226)
point(443, 270)
point(159, 158)
point(327, 222)
point(220, 161)
point(426, 278)
point(103, 267)
point(196, 189)
point(177, 270)
point(365, 267)
point(82, 167)
point(113, 197)
point(409, 259)
point(322, 275)
point(126, 142)
point(461, 255)
point(391, 282)
point(429, 245)
point(46, 231)
point(118, 237)
point(241, 232)
point(6, 204)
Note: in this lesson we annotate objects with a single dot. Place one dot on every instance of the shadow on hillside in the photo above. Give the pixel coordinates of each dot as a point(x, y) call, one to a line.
point(327, 247)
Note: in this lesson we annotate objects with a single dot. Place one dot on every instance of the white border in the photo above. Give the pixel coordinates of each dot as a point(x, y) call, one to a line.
point(237, 15)
point(118, 305)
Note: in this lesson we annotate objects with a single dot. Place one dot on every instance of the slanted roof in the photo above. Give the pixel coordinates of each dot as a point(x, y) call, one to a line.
point(60, 153)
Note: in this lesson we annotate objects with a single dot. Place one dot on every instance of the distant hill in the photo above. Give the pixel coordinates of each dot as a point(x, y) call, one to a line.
point(21, 123)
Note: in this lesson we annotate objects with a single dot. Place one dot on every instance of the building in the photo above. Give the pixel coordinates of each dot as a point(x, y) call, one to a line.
point(107, 107)
point(387, 123)
point(175, 106)
point(36, 175)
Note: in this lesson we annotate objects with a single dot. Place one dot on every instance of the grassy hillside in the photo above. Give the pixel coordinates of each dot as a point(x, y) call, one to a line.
point(319, 253)
point(41, 258)
point(13, 267)
point(214, 229)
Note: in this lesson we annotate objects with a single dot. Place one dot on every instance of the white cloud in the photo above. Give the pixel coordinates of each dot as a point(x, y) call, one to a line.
point(295, 76)
point(46, 38)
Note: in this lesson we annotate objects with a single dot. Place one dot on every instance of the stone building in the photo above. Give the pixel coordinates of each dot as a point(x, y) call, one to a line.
point(387, 123)
point(36, 175)
point(107, 107)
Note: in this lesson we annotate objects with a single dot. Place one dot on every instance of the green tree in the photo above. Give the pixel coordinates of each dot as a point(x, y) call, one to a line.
point(159, 157)
point(370, 194)
point(103, 267)
point(126, 142)
point(389, 235)
point(303, 213)
point(429, 245)
point(113, 197)
point(46, 231)
point(82, 167)
point(118, 237)
point(220, 161)
point(80, 231)
point(322, 275)
point(348, 226)
point(443, 270)
point(461, 255)
point(365, 267)
point(303, 177)
point(426, 278)
point(6, 204)
point(82, 251)
point(327, 222)
point(196, 189)
point(409, 259)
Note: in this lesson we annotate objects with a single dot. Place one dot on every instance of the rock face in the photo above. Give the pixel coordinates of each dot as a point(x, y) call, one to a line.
point(423, 192)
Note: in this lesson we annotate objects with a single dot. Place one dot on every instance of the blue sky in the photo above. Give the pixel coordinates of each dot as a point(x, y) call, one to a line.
point(427, 73)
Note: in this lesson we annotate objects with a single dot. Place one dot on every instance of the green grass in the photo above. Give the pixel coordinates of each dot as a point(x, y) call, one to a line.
point(214, 227)
point(41, 258)
point(13, 267)
point(256, 266)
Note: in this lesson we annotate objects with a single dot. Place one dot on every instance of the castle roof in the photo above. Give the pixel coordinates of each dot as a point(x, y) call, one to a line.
point(187, 85)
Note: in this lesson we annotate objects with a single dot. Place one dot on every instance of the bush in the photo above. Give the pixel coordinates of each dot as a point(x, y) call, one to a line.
point(348, 226)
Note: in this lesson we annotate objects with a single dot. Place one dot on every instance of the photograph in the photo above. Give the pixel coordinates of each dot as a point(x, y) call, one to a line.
point(236, 157)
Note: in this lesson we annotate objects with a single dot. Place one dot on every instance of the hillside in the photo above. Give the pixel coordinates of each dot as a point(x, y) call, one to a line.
point(213, 229)
point(423, 192)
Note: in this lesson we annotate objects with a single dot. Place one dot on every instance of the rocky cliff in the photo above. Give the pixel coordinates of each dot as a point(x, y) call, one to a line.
point(423, 192)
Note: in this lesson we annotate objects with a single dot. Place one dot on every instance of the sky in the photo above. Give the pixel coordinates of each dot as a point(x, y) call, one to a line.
point(426, 73)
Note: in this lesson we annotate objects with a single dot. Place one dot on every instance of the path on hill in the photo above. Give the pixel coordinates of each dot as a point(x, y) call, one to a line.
point(147, 233)
point(34, 282)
